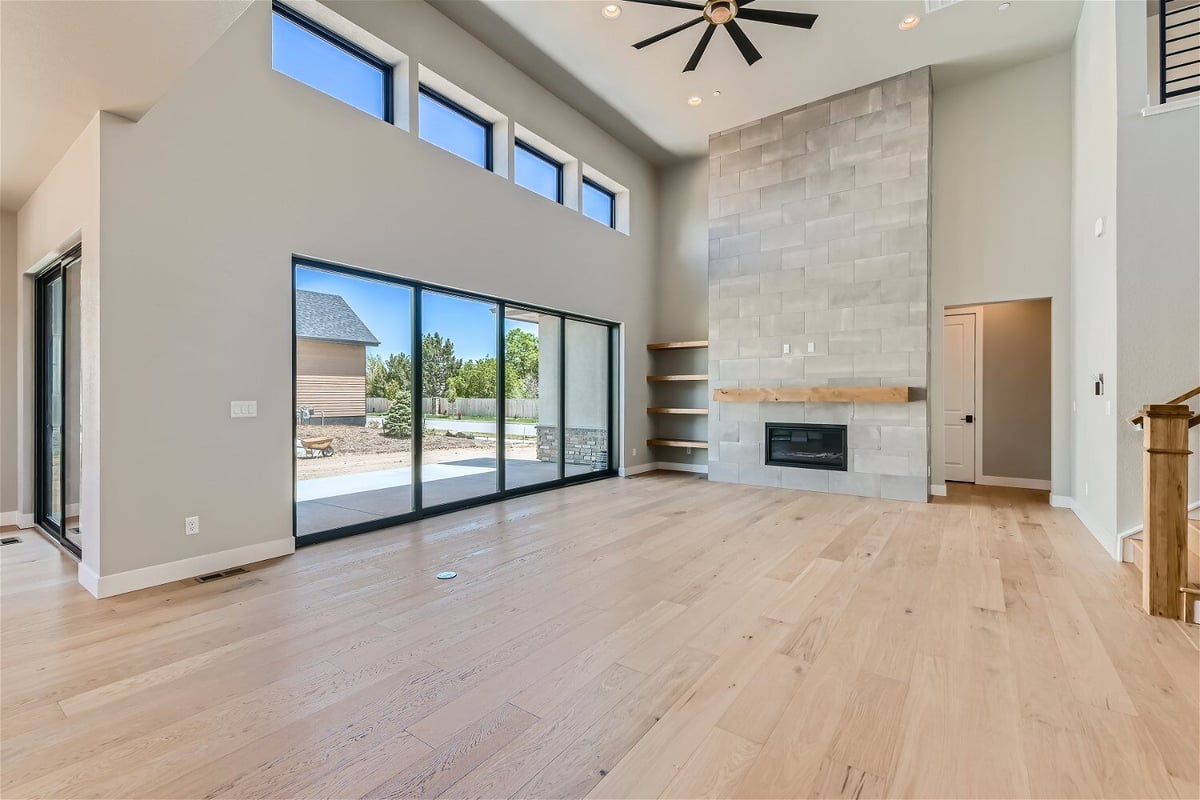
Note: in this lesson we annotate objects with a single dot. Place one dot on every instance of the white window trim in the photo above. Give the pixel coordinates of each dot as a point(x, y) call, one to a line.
point(572, 183)
point(619, 192)
point(501, 128)
point(343, 27)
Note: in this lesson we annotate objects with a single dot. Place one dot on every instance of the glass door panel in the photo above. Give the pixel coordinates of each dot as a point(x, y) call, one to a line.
point(586, 431)
point(353, 445)
point(459, 379)
point(51, 400)
point(532, 353)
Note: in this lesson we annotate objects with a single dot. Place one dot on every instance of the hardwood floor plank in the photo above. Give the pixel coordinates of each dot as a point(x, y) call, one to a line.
point(671, 637)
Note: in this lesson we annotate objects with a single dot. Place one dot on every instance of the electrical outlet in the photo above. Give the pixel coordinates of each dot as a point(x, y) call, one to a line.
point(812, 347)
point(1085, 488)
point(635, 451)
point(787, 348)
point(191, 526)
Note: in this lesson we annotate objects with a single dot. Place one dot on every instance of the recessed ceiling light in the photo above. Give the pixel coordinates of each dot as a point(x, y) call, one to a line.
point(612, 11)
point(694, 100)
point(717, 93)
point(909, 22)
point(1005, 6)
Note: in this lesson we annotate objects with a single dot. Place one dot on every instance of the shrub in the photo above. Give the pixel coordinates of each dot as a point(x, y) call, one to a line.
point(398, 421)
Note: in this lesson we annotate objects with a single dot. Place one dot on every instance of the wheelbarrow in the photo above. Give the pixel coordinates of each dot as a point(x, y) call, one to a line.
point(314, 447)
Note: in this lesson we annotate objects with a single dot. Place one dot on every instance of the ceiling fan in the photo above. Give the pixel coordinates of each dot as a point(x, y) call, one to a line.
point(722, 13)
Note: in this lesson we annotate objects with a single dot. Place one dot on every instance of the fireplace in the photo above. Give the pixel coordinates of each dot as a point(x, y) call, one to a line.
point(800, 444)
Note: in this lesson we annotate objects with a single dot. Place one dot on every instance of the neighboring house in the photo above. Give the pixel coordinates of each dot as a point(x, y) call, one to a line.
point(331, 358)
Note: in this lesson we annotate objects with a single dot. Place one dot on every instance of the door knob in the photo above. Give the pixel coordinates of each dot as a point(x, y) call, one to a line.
point(969, 418)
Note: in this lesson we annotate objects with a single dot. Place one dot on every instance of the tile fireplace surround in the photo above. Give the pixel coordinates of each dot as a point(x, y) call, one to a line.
point(819, 246)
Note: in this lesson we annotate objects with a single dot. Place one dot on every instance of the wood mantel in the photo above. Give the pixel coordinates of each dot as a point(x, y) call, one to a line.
point(815, 394)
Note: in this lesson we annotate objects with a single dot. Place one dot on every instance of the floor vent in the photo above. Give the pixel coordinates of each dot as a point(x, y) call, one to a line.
point(216, 576)
point(10, 540)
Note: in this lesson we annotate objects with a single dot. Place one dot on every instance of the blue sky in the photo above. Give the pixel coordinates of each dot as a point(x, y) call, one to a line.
point(387, 310)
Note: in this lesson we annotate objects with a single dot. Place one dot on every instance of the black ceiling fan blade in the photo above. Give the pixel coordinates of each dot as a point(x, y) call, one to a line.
point(658, 37)
point(669, 4)
point(699, 51)
point(743, 42)
point(793, 18)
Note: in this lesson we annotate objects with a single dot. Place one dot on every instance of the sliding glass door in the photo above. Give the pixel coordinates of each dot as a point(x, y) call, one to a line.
point(58, 402)
point(354, 415)
point(388, 430)
point(459, 373)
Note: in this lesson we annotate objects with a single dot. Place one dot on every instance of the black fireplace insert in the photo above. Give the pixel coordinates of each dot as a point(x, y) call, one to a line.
point(802, 444)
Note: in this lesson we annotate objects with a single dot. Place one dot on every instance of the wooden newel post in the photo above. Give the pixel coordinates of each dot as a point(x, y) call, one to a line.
point(1164, 509)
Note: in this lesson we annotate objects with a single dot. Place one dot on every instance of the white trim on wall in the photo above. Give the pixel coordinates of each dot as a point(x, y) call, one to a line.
point(1016, 483)
point(667, 466)
point(937, 489)
point(158, 574)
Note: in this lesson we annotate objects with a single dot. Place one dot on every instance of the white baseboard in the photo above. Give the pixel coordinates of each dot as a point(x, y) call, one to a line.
point(134, 579)
point(937, 489)
point(1015, 483)
point(673, 466)
point(1062, 501)
point(8, 518)
point(1103, 535)
point(669, 466)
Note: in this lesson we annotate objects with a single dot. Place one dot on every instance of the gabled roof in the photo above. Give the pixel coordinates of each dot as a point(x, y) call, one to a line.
point(328, 317)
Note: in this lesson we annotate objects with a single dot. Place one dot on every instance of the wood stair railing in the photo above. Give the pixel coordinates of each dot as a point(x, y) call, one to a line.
point(1165, 587)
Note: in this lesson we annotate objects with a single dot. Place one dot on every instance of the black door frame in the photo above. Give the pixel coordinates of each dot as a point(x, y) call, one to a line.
point(419, 511)
point(56, 270)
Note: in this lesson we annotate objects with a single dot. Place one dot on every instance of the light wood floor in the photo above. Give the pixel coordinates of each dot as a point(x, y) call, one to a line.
point(659, 636)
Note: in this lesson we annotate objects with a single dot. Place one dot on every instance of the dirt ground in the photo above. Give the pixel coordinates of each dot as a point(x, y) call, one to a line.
point(357, 449)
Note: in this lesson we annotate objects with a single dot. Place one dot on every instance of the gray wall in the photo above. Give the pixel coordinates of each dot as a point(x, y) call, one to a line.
point(819, 234)
point(1157, 257)
point(8, 362)
point(681, 308)
point(1015, 414)
point(1093, 269)
point(197, 263)
point(1001, 216)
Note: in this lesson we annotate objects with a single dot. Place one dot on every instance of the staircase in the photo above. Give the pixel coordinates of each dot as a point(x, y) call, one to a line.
point(1134, 548)
point(1167, 551)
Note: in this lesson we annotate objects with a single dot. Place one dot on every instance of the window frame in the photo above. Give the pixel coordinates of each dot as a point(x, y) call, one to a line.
point(559, 167)
point(503, 491)
point(487, 124)
point(350, 48)
point(612, 202)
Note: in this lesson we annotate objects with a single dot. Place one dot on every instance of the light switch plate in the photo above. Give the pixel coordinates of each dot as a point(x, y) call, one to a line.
point(787, 348)
point(243, 408)
point(1099, 227)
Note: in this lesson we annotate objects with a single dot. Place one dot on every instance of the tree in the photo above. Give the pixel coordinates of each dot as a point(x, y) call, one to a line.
point(521, 357)
point(438, 365)
point(398, 421)
point(389, 378)
point(476, 378)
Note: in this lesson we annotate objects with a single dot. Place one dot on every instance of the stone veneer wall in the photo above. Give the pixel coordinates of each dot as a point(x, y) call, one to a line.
point(584, 445)
point(818, 229)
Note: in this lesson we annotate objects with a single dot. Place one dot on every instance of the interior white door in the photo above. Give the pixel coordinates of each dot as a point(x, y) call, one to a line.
point(958, 381)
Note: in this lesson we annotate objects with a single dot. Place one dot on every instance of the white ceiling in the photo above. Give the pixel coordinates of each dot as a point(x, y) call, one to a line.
point(63, 60)
point(854, 42)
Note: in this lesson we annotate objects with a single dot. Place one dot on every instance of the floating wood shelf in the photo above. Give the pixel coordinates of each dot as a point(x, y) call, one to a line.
point(662, 410)
point(677, 345)
point(663, 378)
point(816, 394)
point(694, 444)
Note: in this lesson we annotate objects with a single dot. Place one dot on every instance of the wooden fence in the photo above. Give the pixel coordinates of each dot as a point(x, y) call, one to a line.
point(467, 406)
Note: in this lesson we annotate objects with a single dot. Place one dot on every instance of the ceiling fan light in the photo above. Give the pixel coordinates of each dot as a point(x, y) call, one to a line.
point(611, 11)
point(909, 22)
